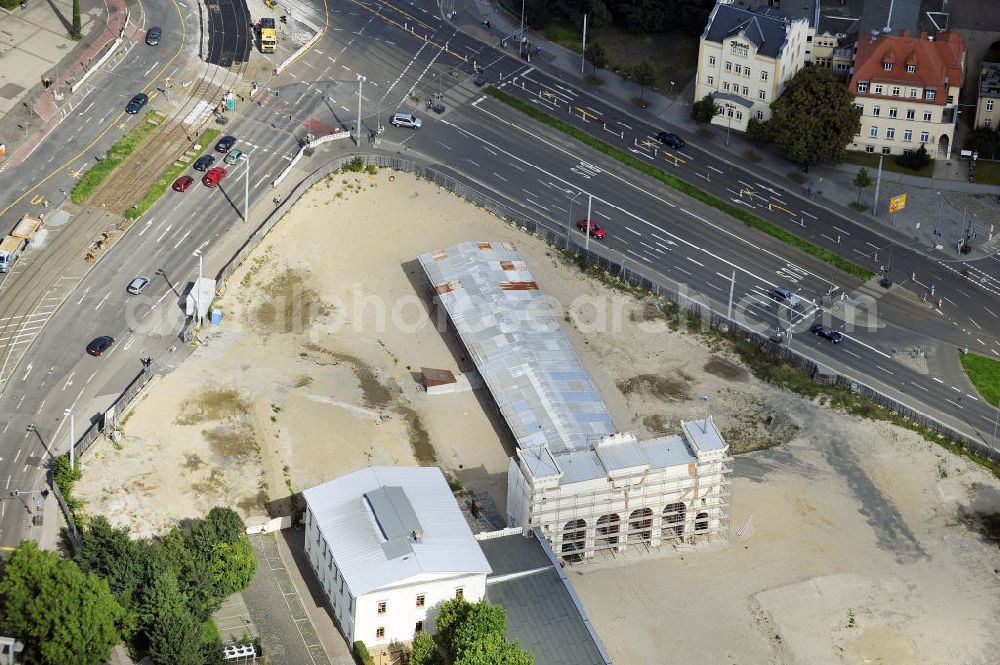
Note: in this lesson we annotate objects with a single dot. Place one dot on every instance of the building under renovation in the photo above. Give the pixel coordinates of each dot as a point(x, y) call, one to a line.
point(586, 485)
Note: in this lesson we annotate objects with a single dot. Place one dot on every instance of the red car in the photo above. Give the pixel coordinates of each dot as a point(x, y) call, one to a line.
point(182, 183)
point(213, 176)
point(596, 230)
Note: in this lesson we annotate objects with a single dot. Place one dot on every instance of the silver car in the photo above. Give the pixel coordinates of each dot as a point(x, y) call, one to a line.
point(138, 285)
point(406, 120)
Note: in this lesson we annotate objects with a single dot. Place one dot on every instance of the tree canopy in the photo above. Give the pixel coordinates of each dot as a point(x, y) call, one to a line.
point(814, 119)
point(62, 615)
point(636, 16)
point(704, 109)
point(644, 76)
point(475, 634)
point(596, 56)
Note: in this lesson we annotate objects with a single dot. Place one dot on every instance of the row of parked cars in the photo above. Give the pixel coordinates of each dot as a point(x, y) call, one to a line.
point(213, 174)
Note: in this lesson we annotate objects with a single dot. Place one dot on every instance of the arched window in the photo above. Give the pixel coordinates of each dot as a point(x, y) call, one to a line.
point(673, 521)
point(574, 539)
point(640, 524)
point(607, 530)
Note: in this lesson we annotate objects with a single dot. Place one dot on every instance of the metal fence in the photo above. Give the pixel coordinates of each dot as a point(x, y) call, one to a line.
point(617, 264)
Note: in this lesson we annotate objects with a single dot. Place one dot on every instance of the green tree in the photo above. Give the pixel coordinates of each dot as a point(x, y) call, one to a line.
point(596, 56)
point(233, 566)
point(494, 649)
point(76, 34)
point(175, 638)
point(63, 616)
point(481, 620)
point(450, 617)
point(704, 109)
point(644, 75)
point(424, 651)
point(915, 160)
point(862, 180)
point(814, 119)
point(985, 141)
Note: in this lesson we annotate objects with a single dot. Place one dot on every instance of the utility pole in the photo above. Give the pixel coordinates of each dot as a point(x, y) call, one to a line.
point(732, 287)
point(520, 43)
point(569, 220)
point(590, 201)
point(197, 313)
point(72, 439)
point(583, 53)
point(878, 182)
point(361, 80)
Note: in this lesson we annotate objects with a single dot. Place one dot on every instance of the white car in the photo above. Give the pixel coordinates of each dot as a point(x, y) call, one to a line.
point(406, 120)
point(138, 285)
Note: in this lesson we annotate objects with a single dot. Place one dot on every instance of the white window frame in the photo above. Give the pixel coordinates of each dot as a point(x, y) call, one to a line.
point(873, 132)
point(925, 137)
point(907, 135)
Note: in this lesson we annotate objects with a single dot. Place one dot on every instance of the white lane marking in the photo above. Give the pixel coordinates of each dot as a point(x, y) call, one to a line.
point(955, 389)
point(697, 263)
point(169, 226)
point(972, 397)
point(974, 323)
point(69, 380)
point(102, 300)
point(955, 403)
point(500, 176)
point(938, 380)
point(919, 386)
point(991, 312)
point(714, 169)
point(629, 228)
point(182, 239)
point(883, 369)
point(83, 295)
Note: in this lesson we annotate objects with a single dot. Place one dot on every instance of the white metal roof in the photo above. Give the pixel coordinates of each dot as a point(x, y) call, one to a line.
point(368, 519)
point(511, 331)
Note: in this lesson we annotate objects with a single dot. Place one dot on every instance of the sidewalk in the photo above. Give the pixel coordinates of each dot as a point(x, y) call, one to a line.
point(926, 212)
point(37, 32)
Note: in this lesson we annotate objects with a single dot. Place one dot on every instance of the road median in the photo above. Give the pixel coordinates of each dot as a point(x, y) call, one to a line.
point(115, 156)
point(159, 188)
point(686, 188)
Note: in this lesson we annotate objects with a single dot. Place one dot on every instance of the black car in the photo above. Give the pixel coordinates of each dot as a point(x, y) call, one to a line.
point(831, 335)
point(153, 35)
point(136, 103)
point(225, 144)
point(100, 345)
point(204, 162)
point(670, 139)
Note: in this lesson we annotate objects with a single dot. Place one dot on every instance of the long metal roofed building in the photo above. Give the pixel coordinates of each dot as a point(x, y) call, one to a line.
point(588, 486)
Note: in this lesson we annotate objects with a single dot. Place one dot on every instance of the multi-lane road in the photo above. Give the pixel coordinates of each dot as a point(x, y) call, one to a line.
point(406, 53)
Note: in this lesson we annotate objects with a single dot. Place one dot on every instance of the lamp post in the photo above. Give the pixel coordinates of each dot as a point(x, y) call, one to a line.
point(569, 221)
point(72, 439)
point(520, 43)
point(246, 198)
point(197, 313)
point(586, 242)
point(361, 81)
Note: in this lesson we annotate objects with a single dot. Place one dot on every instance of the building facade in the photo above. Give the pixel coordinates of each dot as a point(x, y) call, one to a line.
point(988, 103)
point(908, 91)
point(585, 484)
point(672, 490)
point(389, 545)
point(745, 57)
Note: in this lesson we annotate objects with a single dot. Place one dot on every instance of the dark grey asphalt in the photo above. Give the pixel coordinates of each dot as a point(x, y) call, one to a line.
point(230, 36)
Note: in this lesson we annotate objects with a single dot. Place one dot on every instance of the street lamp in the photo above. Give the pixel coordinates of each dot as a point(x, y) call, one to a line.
point(197, 313)
point(570, 220)
point(361, 80)
point(520, 43)
point(72, 438)
point(246, 198)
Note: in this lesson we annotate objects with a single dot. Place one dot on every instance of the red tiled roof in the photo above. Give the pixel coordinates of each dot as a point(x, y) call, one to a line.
point(936, 60)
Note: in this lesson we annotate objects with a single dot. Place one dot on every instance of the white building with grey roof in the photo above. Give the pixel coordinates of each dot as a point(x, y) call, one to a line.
point(389, 545)
point(585, 484)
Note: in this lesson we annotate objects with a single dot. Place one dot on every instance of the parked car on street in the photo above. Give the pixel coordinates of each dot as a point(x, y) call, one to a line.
point(596, 230)
point(213, 177)
point(204, 162)
point(100, 345)
point(136, 103)
point(182, 183)
point(406, 120)
point(225, 144)
point(234, 156)
point(153, 35)
point(670, 139)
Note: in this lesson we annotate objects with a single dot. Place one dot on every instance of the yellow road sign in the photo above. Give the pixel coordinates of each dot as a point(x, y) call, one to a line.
point(897, 203)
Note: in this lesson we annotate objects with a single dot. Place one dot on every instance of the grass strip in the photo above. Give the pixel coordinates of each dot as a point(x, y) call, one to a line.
point(774, 369)
point(984, 372)
point(117, 154)
point(154, 193)
point(687, 188)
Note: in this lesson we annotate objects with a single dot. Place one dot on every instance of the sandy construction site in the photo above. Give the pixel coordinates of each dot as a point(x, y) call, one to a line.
point(853, 541)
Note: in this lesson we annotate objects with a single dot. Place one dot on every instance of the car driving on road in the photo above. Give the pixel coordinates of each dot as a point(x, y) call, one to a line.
point(213, 177)
point(136, 103)
point(204, 162)
point(100, 345)
point(406, 120)
point(182, 183)
point(827, 333)
point(138, 285)
point(596, 230)
point(670, 139)
point(225, 144)
point(153, 35)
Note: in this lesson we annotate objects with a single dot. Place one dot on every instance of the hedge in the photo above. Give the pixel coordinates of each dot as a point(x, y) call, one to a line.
point(687, 188)
point(361, 651)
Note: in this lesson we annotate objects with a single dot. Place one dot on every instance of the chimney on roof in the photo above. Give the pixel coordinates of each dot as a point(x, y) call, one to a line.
point(416, 535)
point(875, 33)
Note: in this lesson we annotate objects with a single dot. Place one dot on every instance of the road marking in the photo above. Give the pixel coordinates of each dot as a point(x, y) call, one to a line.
point(472, 162)
point(938, 380)
point(500, 176)
point(84, 295)
point(169, 226)
point(955, 389)
point(852, 353)
point(146, 228)
point(972, 397)
point(919, 386)
point(839, 230)
point(443, 145)
point(182, 239)
point(955, 403)
point(102, 300)
point(883, 369)
point(974, 323)
point(629, 228)
point(69, 381)
point(25, 377)
point(991, 312)
point(697, 263)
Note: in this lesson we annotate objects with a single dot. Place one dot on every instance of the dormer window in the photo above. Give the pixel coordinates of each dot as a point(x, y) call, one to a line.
point(887, 66)
point(910, 69)
point(895, 91)
point(929, 94)
point(862, 86)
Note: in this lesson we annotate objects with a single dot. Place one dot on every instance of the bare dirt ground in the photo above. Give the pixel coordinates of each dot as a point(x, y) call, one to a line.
point(860, 543)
